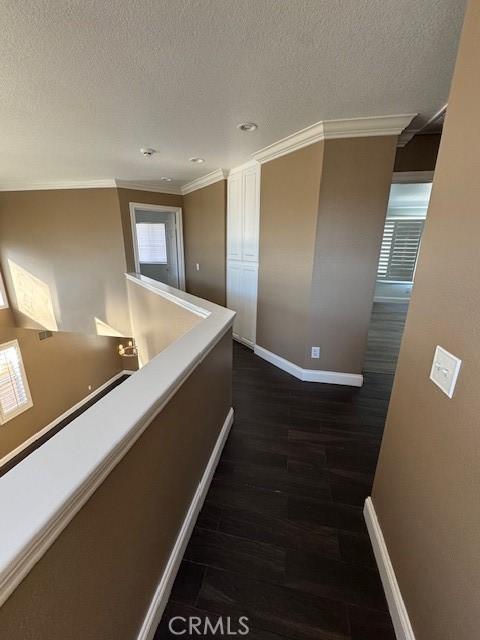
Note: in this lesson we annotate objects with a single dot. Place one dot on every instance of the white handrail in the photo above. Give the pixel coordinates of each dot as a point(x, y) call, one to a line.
point(41, 495)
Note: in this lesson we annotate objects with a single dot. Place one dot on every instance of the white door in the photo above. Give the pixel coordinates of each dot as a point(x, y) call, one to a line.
point(249, 302)
point(234, 296)
point(251, 213)
point(156, 244)
point(234, 217)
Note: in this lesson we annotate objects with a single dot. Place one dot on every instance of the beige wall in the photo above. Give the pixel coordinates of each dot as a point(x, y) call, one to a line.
point(59, 371)
point(427, 485)
point(156, 321)
point(353, 202)
point(6, 315)
point(99, 577)
point(321, 222)
point(288, 217)
point(125, 196)
point(204, 230)
point(420, 154)
point(71, 241)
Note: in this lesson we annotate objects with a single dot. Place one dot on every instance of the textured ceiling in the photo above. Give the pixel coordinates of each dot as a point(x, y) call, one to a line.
point(86, 83)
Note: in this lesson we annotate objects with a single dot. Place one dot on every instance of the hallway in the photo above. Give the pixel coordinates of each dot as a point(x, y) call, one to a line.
point(281, 538)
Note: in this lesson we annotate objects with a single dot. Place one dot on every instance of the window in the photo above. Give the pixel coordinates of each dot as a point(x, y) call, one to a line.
point(3, 294)
point(14, 392)
point(152, 242)
point(399, 252)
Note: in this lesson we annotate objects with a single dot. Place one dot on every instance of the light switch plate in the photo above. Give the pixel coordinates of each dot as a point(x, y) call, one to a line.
point(445, 370)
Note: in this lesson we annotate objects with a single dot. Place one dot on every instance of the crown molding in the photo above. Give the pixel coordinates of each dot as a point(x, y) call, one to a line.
point(139, 186)
point(331, 129)
point(412, 177)
point(242, 167)
point(204, 181)
point(293, 142)
point(44, 186)
point(405, 137)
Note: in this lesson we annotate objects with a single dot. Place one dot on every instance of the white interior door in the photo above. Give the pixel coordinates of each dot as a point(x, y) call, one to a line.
point(234, 217)
point(234, 298)
point(251, 213)
point(249, 285)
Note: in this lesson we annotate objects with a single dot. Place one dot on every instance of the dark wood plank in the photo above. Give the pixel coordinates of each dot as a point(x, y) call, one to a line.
point(281, 537)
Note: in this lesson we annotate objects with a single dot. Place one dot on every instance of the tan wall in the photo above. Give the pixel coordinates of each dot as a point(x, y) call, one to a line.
point(125, 196)
point(72, 242)
point(420, 154)
point(353, 202)
point(156, 322)
point(99, 577)
point(59, 370)
point(427, 485)
point(204, 229)
point(288, 217)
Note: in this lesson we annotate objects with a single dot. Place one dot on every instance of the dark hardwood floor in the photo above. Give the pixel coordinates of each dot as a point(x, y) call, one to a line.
point(281, 538)
point(385, 332)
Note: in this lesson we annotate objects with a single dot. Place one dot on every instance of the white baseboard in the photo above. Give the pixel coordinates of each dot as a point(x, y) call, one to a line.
point(162, 593)
point(64, 415)
point(243, 341)
point(398, 611)
point(309, 375)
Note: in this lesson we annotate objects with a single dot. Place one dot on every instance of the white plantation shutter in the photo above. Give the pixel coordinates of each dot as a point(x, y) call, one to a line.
point(152, 242)
point(399, 252)
point(14, 392)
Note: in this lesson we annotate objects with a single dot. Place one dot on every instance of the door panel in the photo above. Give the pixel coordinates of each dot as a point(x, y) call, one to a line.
point(251, 211)
point(234, 217)
point(234, 297)
point(249, 302)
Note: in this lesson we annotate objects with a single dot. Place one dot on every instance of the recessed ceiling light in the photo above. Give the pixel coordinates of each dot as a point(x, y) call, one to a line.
point(148, 153)
point(165, 179)
point(197, 160)
point(247, 126)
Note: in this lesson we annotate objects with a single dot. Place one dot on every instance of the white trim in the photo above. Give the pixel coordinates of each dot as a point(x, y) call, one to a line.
point(3, 293)
point(168, 293)
point(396, 605)
point(391, 299)
point(309, 375)
point(244, 341)
point(43, 509)
point(178, 235)
point(162, 593)
point(204, 181)
point(412, 177)
point(141, 186)
point(330, 129)
point(242, 167)
point(72, 184)
point(4, 418)
point(64, 415)
point(89, 184)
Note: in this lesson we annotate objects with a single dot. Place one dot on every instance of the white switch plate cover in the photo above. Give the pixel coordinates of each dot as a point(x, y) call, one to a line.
point(315, 352)
point(445, 368)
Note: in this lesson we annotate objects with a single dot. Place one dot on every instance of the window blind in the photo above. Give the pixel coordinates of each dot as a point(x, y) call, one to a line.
point(399, 252)
point(152, 242)
point(14, 392)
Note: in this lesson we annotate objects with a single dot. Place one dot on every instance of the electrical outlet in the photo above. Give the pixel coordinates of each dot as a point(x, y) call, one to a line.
point(315, 352)
point(197, 266)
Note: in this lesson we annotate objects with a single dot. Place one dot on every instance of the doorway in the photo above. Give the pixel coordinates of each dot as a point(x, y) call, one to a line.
point(157, 235)
point(401, 242)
